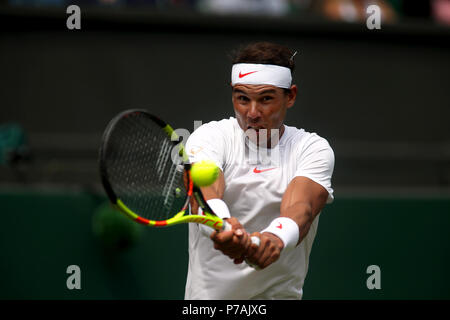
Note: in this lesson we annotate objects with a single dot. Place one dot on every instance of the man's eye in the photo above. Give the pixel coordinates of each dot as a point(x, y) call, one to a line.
point(243, 98)
point(267, 98)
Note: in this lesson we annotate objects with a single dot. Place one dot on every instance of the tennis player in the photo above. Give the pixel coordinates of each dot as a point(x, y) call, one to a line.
point(275, 179)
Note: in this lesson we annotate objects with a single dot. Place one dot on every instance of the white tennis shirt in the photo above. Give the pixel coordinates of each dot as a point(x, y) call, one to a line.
point(254, 188)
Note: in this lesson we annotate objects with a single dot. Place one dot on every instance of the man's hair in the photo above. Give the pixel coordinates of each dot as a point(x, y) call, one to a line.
point(265, 53)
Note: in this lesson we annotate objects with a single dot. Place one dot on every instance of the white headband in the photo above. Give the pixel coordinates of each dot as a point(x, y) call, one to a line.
point(250, 73)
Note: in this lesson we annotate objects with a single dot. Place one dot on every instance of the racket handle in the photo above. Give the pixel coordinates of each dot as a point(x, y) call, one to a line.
point(226, 226)
point(257, 241)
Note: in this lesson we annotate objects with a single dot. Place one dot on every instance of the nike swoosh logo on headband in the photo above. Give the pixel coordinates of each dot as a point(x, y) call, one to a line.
point(245, 74)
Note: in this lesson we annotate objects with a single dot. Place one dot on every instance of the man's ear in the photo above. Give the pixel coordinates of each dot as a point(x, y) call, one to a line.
point(292, 95)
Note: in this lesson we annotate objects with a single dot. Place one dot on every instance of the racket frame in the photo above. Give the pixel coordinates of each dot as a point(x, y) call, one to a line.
point(209, 218)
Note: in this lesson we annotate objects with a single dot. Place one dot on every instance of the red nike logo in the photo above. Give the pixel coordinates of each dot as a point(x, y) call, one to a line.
point(245, 74)
point(279, 226)
point(256, 170)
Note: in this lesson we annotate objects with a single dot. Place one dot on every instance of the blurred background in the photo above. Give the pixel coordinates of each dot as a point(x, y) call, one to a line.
point(380, 97)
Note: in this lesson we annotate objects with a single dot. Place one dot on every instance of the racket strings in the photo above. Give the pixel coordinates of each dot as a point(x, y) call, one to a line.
point(140, 168)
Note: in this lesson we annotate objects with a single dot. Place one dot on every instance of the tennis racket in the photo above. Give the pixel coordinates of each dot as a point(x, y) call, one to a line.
point(145, 172)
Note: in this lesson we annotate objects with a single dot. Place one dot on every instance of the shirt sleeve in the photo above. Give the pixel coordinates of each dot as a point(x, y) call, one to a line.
point(207, 143)
point(315, 160)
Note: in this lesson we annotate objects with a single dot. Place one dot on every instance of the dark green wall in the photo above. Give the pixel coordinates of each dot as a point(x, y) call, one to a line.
point(45, 232)
point(407, 238)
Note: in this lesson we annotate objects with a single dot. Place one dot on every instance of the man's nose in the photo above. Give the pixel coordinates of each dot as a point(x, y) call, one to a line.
point(253, 113)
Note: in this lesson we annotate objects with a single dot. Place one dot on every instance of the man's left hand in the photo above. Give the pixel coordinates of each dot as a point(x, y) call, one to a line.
point(267, 252)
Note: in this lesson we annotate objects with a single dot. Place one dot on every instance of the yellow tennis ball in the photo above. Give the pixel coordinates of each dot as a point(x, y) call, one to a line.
point(204, 173)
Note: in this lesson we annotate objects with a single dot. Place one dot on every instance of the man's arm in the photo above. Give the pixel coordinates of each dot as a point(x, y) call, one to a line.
point(302, 202)
point(215, 190)
point(232, 243)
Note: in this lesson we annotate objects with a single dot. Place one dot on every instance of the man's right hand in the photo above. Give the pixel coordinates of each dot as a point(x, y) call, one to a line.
point(233, 243)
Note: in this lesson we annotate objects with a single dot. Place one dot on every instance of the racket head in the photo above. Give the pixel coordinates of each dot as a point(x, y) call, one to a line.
point(137, 170)
point(145, 171)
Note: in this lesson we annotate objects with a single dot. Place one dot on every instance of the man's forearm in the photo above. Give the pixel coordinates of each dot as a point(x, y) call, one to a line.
point(302, 214)
point(216, 190)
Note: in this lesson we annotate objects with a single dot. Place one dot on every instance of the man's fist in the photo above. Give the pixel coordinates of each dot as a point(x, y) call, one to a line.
point(233, 243)
point(267, 252)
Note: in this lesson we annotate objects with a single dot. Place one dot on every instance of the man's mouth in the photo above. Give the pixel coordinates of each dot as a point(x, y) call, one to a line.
point(256, 128)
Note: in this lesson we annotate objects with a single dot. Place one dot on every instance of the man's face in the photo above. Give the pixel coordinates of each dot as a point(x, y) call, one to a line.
point(262, 107)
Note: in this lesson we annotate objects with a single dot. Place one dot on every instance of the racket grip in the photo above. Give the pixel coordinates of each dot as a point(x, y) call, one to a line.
point(226, 226)
point(257, 241)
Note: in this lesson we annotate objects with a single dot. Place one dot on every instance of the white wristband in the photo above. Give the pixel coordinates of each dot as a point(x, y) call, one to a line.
point(286, 229)
point(219, 208)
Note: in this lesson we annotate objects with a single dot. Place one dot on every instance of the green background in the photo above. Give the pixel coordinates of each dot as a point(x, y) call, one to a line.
point(45, 232)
